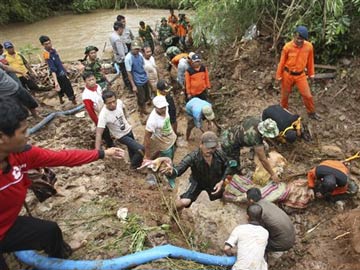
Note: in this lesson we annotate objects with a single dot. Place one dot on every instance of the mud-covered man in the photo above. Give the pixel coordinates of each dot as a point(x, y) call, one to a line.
point(249, 133)
point(209, 168)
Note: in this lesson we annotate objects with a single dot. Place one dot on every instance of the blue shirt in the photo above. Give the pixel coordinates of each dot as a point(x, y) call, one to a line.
point(194, 109)
point(54, 63)
point(135, 65)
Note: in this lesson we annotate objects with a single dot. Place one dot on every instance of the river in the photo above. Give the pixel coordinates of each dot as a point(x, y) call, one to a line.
point(70, 34)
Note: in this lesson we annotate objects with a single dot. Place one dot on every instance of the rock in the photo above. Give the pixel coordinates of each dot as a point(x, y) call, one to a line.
point(326, 134)
point(332, 151)
point(355, 170)
point(345, 61)
point(342, 117)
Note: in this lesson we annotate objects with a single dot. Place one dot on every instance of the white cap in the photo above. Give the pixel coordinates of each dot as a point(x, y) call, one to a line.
point(191, 55)
point(160, 102)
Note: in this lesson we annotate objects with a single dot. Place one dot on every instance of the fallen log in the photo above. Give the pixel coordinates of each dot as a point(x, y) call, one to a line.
point(320, 76)
point(325, 66)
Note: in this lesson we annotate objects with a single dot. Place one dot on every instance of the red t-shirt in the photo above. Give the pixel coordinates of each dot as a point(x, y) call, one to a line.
point(15, 182)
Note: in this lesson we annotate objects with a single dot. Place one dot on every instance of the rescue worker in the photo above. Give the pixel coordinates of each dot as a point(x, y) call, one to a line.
point(290, 125)
point(166, 35)
point(297, 55)
point(197, 83)
point(250, 132)
point(329, 180)
point(92, 64)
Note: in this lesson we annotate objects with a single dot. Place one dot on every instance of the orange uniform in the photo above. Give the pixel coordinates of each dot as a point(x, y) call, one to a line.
point(291, 70)
point(176, 59)
point(173, 27)
point(171, 17)
point(181, 30)
point(196, 81)
point(335, 167)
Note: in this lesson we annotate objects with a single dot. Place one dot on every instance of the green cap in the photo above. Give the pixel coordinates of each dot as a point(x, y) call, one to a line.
point(90, 48)
point(268, 128)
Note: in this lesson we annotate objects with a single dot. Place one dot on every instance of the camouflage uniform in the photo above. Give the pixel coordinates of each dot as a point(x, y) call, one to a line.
point(244, 134)
point(165, 31)
point(95, 67)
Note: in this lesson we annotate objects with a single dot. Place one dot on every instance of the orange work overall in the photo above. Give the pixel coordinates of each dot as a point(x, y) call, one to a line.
point(291, 71)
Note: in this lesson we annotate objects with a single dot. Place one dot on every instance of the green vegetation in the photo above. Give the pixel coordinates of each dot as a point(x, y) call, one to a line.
point(33, 10)
point(333, 24)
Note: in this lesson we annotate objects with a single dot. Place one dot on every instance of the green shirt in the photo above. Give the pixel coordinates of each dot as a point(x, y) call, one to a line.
point(145, 33)
point(95, 67)
point(165, 32)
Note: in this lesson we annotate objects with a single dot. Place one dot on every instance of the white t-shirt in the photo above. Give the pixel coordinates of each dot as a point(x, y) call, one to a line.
point(163, 136)
point(95, 97)
point(251, 241)
point(115, 120)
point(150, 69)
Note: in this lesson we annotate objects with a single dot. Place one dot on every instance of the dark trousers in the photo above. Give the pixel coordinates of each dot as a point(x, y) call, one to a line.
point(30, 233)
point(135, 149)
point(29, 84)
point(125, 76)
point(65, 87)
point(107, 138)
point(23, 97)
point(203, 95)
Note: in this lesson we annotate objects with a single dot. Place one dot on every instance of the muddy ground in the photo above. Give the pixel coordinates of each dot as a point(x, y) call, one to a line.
point(90, 196)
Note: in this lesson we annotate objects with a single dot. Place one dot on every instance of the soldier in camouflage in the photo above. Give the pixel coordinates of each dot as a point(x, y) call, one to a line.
point(92, 64)
point(249, 133)
point(166, 34)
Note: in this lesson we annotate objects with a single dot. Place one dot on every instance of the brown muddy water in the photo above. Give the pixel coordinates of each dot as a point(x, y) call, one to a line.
point(71, 33)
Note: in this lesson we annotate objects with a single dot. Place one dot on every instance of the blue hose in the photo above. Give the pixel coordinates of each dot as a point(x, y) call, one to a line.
point(40, 262)
point(51, 116)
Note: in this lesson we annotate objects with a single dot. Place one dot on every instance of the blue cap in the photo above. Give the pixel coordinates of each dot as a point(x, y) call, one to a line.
point(8, 44)
point(196, 58)
point(303, 32)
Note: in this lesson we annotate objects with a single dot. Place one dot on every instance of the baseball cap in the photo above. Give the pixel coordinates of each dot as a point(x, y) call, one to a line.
point(196, 58)
point(90, 48)
point(162, 85)
point(268, 128)
point(160, 102)
point(303, 32)
point(8, 44)
point(209, 139)
point(208, 112)
point(135, 45)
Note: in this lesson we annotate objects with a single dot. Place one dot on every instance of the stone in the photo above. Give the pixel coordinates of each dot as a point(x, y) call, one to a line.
point(355, 170)
point(332, 151)
point(345, 61)
point(342, 118)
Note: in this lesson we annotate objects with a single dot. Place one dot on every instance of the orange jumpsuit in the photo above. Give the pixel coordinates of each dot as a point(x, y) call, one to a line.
point(291, 71)
point(334, 165)
point(176, 59)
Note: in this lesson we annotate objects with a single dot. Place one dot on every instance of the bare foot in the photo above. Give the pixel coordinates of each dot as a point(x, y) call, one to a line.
point(75, 244)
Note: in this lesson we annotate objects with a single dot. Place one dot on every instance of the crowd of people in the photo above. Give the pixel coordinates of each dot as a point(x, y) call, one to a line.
point(212, 164)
